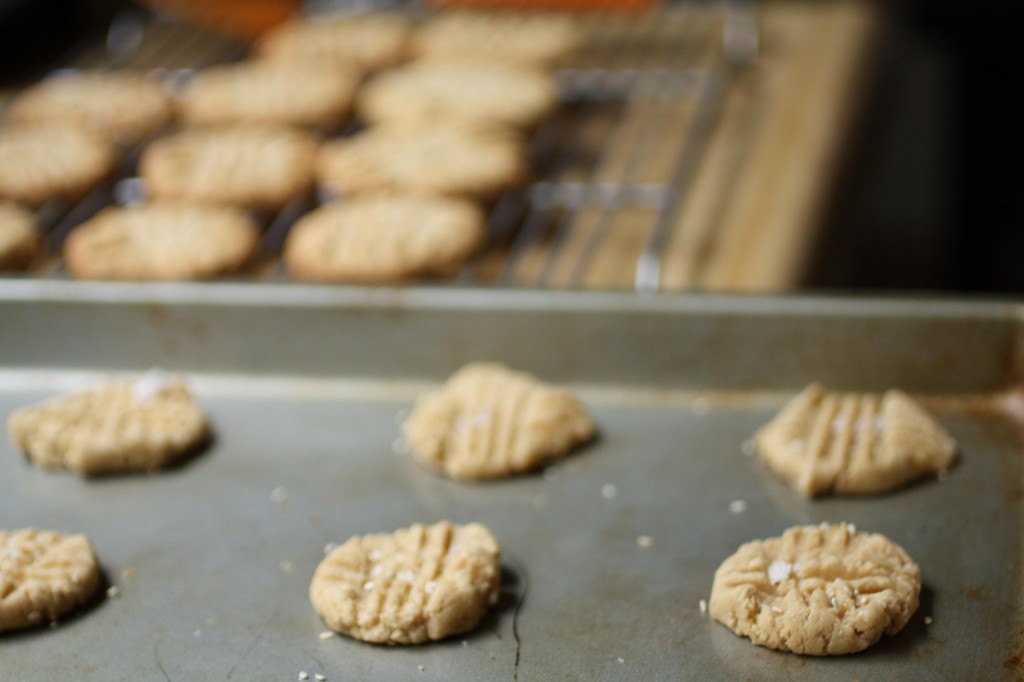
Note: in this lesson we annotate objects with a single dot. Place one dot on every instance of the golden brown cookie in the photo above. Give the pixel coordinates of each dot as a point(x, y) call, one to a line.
point(117, 106)
point(507, 38)
point(441, 160)
point(137, 426)
point(164, 241)
point(246, 165)
point(359, 42)
point(817, 590)
point(43, 162)
point(43, 575)
point(285, 93)
point(853, 443)
point(433, 92)
point(489, 421)
point(375, 239)
point(416, 585)
point(19, 240)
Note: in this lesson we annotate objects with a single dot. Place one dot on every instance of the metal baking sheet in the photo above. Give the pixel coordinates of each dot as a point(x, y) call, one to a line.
point(304, 384)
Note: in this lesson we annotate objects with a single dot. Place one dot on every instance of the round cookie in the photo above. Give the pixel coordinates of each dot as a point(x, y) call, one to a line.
point(445, 160)
point(19, 241)
point(122, 107)
point(161, 242)
point(854, 444)
point(429, 92)
point(364, 43)
point(375, 239)
point(416, 585)
point(248, 165)
point(137, 426)
point(43, 162)
point(817, 590)
point(285, 93)
point(508, 38)
point(489, 422)
point(43, 576)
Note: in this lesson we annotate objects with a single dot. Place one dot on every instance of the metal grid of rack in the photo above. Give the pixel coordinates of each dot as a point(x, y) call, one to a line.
point(610, 166)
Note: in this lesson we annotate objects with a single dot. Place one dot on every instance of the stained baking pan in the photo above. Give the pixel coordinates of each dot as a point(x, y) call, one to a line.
point(212, 560)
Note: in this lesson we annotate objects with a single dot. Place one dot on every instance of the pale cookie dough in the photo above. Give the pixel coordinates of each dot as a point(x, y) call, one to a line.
point(19, 241)
point(853, 443)
point(510, 38)
point(247, 165)
point(43, 576)
point(432, 92)
point(161, 242)
point(122, 107)
point(286, 93)
point(364, 43)
point(131, 426)
point(817, 590)
point(489, 421)
point(445, 160)
point(376, 239)
point(416, 585)
point(43, 162)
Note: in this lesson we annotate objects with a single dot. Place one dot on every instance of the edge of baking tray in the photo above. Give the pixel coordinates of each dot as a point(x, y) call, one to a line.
point(317, 295)
point(922, 344)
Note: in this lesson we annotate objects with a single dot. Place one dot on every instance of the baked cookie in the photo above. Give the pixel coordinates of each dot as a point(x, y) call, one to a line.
point(416, 585)
point(853, 443)
point(817, 590)
point(43, 162)
point(446, 160)
point(130, 426)
point(43, 576)
point(507, 38)
point(429, 92)
point(285, 93)
point(19, 240)
point(249, 165)
point(361, 42)
point(375, 239)
point(489, 421)
point(161, 241)
point(117, 106)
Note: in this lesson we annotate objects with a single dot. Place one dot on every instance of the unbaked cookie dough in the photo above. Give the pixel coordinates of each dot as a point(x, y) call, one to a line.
point(853, 443)
point(416, 585)
point(817, 590)
point(489, 421)
point(43, 576)
point(120, 427)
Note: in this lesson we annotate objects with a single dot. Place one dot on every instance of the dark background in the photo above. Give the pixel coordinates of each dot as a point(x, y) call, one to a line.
point(931, 196)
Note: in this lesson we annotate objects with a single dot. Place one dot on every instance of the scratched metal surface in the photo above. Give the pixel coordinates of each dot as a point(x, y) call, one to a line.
point(222, 568)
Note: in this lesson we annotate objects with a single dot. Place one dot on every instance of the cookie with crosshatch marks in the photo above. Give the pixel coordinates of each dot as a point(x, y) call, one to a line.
point(509, 38)
point(853, 443)
point(362, 42)
point(117, 106)
point(446, 160)
point(119, 427)
point(245, 165)
point(416, 585)
point(489, 421)
point(162, 241)
point(48, 161)
point(284, 93)
point(384, 238)
point(817, 590)
point(43, 575)
point(433, 92)
point(19, 241)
